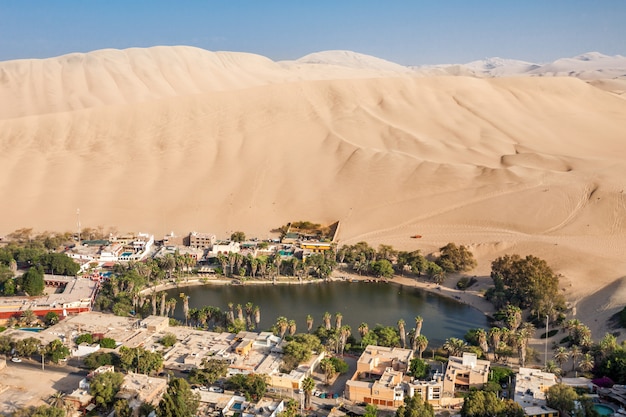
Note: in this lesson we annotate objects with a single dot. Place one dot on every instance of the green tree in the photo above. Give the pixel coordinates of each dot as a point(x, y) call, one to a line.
point(40, 411)
point(382, 268)
point(253, 386)
point(211, 371)
point(32, 282)
point(307, 385)
point(168, 340)
point(97, 359)
point(562, 398)
point(455, 258)
point(51, 318)
point(371, 411)
point(528, 283)
point(419, 369)
point(327, 366)
point(84, 338)
point(140, 360)
point(486, 404)
point(104, 387)
point(415, 407)
point(238, 236)
point(178, 400)
point(122, 408)
point(108, 343)
point(56, 350)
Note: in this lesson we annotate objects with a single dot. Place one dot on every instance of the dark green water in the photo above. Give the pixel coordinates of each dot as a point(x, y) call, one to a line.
point(372, 303)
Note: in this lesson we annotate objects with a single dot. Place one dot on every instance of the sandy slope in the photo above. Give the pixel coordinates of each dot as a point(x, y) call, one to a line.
point(179, 139)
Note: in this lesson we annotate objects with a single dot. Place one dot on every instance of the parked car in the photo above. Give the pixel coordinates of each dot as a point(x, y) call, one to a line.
point(216, 389)
point(16, 359)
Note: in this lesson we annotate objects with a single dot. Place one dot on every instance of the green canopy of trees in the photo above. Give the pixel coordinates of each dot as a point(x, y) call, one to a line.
point(487, 404)
point(527, 283)
point(104, 387)
point(178, 400)
point(415, 407)
point(32, 281)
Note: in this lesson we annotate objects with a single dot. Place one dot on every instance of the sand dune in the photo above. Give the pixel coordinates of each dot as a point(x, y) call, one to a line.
point(178, 139)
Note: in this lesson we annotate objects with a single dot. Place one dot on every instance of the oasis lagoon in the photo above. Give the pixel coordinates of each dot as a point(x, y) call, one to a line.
point(358, 302)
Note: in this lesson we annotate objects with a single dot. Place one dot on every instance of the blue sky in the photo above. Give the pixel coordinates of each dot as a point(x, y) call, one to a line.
point(408, 32)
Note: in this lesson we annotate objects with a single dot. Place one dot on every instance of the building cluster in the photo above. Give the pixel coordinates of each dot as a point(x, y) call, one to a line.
point(381, 376)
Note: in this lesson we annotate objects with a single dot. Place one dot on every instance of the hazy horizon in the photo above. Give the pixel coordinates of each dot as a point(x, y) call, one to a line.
point(452, 32)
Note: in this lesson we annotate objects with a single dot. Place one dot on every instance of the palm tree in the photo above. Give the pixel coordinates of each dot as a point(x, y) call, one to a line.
point(309, 323)
point(307, 385)
point(363, 329)
point(282, 324)
point(171, 305)
point(344, 332)
point(520, 340)
point(326, 320)
point(249, 308)
point(239, 312)
point(495, 335)
point(28, 317)
point(561, 356)
point(257, 316)
point(326, 365)
point(586, 364)
point(57, 400)
point(418, 325)
point(481, 336)
point(454, 346)
point(292, 327)
point(231, 312)
point(575, 353)
point(421, 342)
point(185, 306)
point(338, 317)
point(552, 368)
point(402, 333)
point(513, 317)
point(154, 304)
point(162, 306)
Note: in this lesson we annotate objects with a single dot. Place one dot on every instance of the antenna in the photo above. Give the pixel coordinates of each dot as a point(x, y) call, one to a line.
point(78, 223)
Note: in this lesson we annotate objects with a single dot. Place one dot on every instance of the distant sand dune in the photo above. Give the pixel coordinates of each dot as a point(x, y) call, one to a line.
point(178, 139)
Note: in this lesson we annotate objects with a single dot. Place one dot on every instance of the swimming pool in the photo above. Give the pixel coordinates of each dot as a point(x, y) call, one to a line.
point(603, 410)
point(31, 329)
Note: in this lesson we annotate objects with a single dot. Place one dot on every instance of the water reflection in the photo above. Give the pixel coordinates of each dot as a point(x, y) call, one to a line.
point(372, 303)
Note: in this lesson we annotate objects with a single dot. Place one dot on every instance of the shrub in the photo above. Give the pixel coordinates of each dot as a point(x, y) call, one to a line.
point(168, 340)
point(84, 338)
point(466, 282)
point(108, 343)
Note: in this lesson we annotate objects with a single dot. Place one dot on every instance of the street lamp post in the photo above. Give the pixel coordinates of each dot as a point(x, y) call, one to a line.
point(546, 348)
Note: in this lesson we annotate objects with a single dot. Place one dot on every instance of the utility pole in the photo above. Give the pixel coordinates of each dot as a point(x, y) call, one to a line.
point(545, 364)
point(78, 223)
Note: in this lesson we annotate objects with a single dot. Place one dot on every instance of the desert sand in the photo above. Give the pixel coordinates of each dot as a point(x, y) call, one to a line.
point(178, 139)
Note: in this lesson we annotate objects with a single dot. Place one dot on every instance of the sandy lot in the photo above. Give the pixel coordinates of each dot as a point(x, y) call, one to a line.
point(23, 386)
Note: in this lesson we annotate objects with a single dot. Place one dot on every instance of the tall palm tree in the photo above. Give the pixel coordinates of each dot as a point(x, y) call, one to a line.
point(418, 325)
point(586, 363)
point(185, 299)
point(495, 335)
point(561, 356)
point(292, 327)
point(402, 333)
point(249, 308)
point(171, 306)
point(363, 329)
point(575, 353)
point(553, 368)
point(162, 305)
point(57, 400)
point(307, 385)
point(338, 317)
point(154, 303)
point(326, 320)
point(513, 317)
point(309, 323)
point(344, 332)
point(421, 342)
point(257, 316)
point(481, 335)
point(231, 312)
point(282, 324)
point(239, 312)
point(454, 346)
point(521, 342)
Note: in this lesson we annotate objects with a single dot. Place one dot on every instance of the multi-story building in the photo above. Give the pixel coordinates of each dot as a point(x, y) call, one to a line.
point(201, 240)
point(531, 386)
point(378, 377)
point(463, 373)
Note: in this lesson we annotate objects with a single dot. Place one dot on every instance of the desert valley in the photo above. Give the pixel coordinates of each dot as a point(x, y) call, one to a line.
point(502, 156)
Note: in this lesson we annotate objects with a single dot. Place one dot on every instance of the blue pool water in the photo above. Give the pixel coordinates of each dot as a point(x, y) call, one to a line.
point(603, 410)
point(31, 329)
